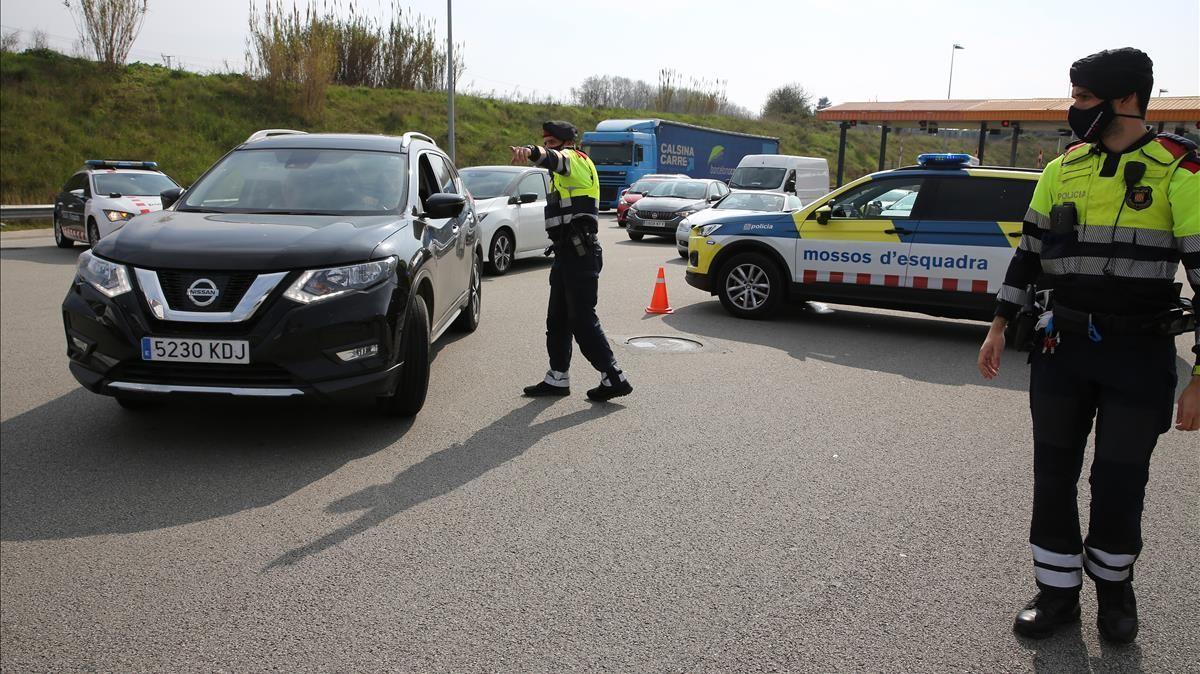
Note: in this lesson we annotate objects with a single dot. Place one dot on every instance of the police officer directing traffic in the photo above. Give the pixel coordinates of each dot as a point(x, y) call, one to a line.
point(1110, 221)
point(572, 208)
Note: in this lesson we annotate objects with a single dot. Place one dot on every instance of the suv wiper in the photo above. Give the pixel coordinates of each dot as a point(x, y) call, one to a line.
point(197, 210)
point(298, 213)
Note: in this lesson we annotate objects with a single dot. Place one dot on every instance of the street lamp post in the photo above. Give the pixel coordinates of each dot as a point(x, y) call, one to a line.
point(450, 72)
point(953, 49)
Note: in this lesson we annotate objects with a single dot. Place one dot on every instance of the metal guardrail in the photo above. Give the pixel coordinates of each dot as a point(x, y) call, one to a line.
point(26, 212)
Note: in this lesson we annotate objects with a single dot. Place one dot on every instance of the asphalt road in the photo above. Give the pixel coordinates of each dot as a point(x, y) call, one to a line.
point(823, 492)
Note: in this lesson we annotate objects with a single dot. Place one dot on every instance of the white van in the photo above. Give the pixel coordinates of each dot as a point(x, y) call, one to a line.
point(805, 177)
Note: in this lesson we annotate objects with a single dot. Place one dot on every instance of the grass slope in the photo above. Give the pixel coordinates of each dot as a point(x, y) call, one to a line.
point(56, 111)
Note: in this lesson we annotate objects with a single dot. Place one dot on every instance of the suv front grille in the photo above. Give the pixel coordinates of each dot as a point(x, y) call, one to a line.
point(231, 286)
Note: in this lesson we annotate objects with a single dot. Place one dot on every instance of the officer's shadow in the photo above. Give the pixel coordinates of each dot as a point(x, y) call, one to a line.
point(1067, 652)
point(442, 472)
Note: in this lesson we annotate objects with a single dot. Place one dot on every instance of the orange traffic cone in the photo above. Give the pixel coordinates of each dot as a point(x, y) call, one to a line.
point(658, 302)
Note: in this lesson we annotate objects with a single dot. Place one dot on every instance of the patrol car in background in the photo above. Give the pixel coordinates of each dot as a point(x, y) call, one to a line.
point(934, 238)
point(103, 195)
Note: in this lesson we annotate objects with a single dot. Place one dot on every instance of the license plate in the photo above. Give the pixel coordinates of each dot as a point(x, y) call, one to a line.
point(654, 223)
point(183, 350)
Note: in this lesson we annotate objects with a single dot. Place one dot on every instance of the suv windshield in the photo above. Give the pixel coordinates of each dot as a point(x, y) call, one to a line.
point(302, 182)
point(486, 184)
point(756, 178)
point(752, 202)
point(132, 184)
point(683, 189)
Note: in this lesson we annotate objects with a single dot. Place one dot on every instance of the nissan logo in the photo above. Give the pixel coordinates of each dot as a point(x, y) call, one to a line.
point(203, 292)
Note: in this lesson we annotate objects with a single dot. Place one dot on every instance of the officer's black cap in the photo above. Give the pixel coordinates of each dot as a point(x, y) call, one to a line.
point(1114, 73)
point(564, 131)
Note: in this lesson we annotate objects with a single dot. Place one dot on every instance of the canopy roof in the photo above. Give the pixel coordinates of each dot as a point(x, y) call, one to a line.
point(1030, 113)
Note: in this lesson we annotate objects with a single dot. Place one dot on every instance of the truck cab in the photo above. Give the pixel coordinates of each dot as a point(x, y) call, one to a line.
point(621, 155)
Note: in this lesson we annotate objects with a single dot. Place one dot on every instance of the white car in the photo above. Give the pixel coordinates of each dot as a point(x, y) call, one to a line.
point(737, 202)
point(103, 195)
point(510, 203)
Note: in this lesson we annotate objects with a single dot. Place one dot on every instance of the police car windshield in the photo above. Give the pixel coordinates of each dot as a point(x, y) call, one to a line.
point(302, 181)
point(751, 202)
point(132, 184)
point(756, 178)
point(682, 189)
point(487, 184)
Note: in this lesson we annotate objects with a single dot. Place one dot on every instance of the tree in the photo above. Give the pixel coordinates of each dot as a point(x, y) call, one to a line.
point(789, 100)
point(108, 28)
point(823, 102)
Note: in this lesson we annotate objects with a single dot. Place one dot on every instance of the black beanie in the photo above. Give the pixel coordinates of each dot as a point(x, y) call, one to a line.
point(564, 131)
point(1115, 73)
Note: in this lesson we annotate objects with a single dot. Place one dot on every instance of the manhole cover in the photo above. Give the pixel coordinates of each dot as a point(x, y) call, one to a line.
point(664, 344)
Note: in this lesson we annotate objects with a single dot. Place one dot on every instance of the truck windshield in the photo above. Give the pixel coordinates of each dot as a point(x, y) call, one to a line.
point(302, 182)
point(618, 154)
point(756, 178)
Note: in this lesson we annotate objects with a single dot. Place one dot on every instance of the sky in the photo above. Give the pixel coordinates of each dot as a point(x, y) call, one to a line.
point(846, 50)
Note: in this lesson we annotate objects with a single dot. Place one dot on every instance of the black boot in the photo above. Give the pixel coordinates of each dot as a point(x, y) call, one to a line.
point(613, 385)
point(1048, 611)
point(543, 389)
point(1117, 617)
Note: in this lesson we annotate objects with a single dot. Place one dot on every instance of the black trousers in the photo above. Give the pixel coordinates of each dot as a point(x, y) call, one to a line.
point(574, 289)
point(1127, 384)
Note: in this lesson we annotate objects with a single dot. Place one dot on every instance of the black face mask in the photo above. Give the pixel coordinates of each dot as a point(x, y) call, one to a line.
point(1087, 124)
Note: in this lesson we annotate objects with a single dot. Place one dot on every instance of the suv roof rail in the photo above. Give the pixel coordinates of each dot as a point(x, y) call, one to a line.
point(267, 133)
point(415, 135)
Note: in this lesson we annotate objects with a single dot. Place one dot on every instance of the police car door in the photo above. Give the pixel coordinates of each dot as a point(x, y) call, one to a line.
point(869, 229)
point(72, 203)
point(966, 234)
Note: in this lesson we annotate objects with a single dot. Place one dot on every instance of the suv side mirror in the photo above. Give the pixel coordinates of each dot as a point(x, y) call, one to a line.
point(169, 197)
point(823, 214)
point(77, 193)
point(444, 205)
point(715, 197)
point(528, 197)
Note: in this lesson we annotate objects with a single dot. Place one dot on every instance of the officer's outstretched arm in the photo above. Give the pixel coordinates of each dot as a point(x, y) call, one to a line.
point(1184, 193)
point(554, 161)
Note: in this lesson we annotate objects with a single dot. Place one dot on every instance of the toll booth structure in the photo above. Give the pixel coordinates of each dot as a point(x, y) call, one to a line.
point(1175, 114)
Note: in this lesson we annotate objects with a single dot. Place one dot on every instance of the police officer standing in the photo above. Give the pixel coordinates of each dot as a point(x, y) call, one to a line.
point(572, 208)
point(1110, 221)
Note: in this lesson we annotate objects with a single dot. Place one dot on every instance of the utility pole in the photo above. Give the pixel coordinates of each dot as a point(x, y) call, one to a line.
point(953, 49)
point(450, 71)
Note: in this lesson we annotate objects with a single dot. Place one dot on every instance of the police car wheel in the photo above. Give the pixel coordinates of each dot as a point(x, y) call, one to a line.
point(61, 240)
point(93, 232)
point(413, 382)
point(634, 236)
point(501, 255)
point(750, 286)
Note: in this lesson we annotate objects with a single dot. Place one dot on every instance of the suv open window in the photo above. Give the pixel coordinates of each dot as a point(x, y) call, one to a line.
point(988, 199)
point(533, 182)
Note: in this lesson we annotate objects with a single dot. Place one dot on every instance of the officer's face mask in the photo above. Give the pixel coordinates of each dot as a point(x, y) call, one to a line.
point(1089, 123)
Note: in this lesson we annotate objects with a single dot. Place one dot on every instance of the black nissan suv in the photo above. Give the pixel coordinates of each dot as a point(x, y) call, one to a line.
point(298, 265)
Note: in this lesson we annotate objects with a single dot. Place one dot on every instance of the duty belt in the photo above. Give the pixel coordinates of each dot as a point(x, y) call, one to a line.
point(1174, 321)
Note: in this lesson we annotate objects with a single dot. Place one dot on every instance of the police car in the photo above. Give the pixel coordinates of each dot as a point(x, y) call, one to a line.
point(103, 195)
point(934, 238)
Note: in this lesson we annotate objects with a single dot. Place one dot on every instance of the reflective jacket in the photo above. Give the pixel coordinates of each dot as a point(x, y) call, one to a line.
point(574, 187)
point(1130, 236)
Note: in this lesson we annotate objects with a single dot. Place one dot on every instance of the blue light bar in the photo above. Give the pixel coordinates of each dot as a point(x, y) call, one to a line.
point(121, 163)
point(946, 159)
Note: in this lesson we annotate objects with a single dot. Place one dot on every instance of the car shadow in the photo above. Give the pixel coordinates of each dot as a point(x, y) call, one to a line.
point(42, 254)
point(442, 472)
point(527, 265)
point(933, 350)
point(649, 239)
point(81, 466)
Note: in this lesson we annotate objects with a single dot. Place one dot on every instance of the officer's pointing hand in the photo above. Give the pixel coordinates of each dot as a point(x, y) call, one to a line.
point(520, 154)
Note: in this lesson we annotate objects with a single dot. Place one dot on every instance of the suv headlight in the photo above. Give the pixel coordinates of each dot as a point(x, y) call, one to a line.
point(110, 278)
point(117, 216)
point(322, 284)
point(706, 230)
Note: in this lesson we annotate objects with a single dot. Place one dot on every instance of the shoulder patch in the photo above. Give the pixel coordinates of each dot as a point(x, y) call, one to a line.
point(1077, 151)
point(1190, 163)
point(1176, 145)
